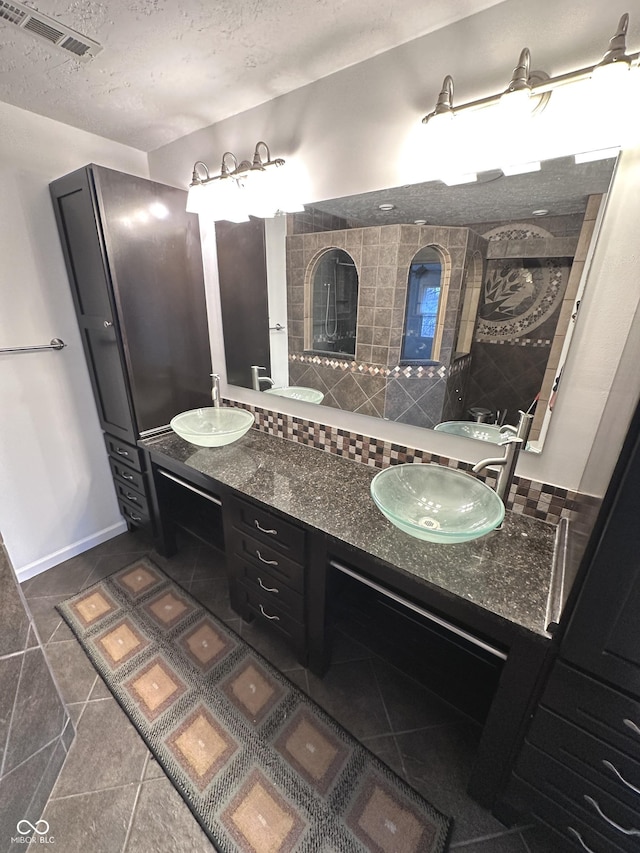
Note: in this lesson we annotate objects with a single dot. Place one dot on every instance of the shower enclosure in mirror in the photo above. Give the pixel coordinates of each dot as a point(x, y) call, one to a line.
point(425, 322)
point(333, 294)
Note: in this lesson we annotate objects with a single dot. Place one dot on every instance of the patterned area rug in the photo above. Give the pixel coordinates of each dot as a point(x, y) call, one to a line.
point(262, 768)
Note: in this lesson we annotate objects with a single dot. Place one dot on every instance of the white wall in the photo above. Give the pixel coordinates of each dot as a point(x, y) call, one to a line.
point(350, 130)
point(56, 491)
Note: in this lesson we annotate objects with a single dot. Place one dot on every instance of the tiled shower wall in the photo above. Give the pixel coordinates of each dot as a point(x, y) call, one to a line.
point(35, 730)
point(508, 372)
point(374, 383)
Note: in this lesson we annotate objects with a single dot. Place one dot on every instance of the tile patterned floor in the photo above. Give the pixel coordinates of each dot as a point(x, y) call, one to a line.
point(112, 797)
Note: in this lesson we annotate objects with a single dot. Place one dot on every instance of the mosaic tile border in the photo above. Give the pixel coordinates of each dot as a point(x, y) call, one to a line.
point(517, 342)
point(430, 370)
point(526, 497)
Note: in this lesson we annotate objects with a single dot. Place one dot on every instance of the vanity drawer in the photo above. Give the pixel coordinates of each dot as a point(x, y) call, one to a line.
point(268, 613)
point(121, 472)
point(124, 452)
point(279, 566)
point(588, 756)
point(573, 833)
point(134, 515)
point(271, 590)
point(593, 706)
point(270, 529)
point(130, 496)
point(589, 803)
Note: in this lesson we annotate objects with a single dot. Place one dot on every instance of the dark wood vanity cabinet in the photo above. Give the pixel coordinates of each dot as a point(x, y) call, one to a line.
point(579, 768)
point(129, 479)
point(266, 558)
point(133, 257)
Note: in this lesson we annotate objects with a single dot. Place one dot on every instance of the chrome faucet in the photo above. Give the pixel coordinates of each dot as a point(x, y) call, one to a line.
point(256, 379)
point(215, 390)
point(513, 444)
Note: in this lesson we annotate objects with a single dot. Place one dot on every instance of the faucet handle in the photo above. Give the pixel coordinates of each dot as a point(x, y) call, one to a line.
point(510, 438)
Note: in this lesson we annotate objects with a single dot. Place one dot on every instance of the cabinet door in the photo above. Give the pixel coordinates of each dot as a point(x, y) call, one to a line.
point(603, 636)
point(155, 263)
point(83, 249)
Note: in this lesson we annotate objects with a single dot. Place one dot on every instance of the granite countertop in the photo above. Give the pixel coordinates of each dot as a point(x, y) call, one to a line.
point(508, 572)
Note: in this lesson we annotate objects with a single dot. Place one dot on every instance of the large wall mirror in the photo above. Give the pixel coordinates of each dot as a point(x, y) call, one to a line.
point(424, 304)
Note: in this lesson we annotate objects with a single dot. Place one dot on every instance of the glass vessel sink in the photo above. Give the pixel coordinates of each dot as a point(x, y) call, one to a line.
point(470, 429)
point(298, 392)
point(212, 427)
point(436, 503)
point(483, 432)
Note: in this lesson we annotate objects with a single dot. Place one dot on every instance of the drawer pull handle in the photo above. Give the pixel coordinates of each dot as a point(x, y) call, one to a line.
point(267, 588)
point(634, 728)
point(126, 476)
point(262, 559)
point(131, 497)
point(121, 452)
point(580, 839)
point(612, 823)
point(615, 771)
point(271, 532)
point(134, 517)
point(266, 615)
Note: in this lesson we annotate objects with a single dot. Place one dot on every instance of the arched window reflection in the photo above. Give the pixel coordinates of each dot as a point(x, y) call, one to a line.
point(420, 341)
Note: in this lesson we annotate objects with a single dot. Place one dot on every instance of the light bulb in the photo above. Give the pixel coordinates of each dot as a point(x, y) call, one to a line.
point(518, 103)
point(195, 198)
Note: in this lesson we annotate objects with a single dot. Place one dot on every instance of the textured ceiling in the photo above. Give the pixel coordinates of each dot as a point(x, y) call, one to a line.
point(561, 187)
point(168, 68)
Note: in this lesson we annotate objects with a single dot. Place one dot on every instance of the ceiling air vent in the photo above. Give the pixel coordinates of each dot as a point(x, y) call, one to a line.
point(48, 30)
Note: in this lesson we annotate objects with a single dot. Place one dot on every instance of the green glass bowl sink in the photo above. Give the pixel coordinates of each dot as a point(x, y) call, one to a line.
point(471, 429)
point(298, 392)
point(435, 503)
point(212, 427)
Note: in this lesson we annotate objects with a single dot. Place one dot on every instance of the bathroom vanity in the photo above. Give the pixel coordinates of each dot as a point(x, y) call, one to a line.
point(302, 536)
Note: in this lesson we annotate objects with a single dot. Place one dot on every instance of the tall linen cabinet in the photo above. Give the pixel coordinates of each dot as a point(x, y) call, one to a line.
point(133, 257)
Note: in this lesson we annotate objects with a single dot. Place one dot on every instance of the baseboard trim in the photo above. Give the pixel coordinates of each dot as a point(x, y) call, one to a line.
point(51, 560)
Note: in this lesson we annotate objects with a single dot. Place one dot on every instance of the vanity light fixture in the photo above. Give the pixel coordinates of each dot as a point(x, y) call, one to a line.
point(527, 95)
point(242, 188)
point(616, 58)
point(444, 104)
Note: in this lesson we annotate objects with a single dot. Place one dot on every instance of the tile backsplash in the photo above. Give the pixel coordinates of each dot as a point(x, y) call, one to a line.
point(527, 497)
